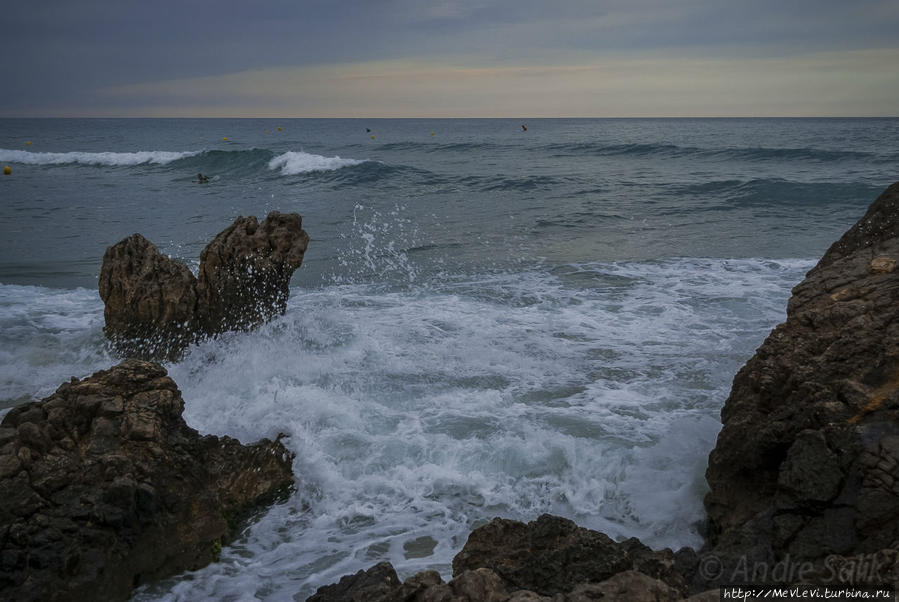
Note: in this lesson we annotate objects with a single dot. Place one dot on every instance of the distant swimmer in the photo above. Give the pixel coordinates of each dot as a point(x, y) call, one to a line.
point(202, 179)
point(524, 128)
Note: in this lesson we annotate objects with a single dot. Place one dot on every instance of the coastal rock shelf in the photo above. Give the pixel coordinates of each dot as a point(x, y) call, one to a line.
point(155, 307)
point(105, 487)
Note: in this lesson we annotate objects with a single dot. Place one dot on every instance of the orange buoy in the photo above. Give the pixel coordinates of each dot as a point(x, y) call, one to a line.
point(7, 170)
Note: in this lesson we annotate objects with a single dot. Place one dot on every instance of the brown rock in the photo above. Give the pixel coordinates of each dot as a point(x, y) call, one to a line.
point(553, 555)
point(632, 586)
point(805, 463)
point(245, 271)
point(150, 299)
point(105, 487)
point(155, 307)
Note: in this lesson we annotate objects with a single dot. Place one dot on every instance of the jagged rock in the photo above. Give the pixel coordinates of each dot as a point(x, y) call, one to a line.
point(553, 555)
point(245, 271)
point(105, 487)
point(807, 462)
point(150, 299)
point(155, 307)
point(377, 583)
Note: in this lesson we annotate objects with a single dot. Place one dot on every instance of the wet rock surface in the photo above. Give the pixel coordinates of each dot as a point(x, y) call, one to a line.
point(549, 559)
point(807, 463)
point(155, 307)
point(104, 487)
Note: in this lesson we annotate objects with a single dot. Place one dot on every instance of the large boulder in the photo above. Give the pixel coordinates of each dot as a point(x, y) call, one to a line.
point(150, 299)
point(245, 271)
point(105, 487)
point(155, 307)
point(553, 555)
point(807, 463)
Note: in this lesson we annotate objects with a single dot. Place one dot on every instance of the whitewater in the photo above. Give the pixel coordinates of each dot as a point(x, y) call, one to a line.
point(487, 323)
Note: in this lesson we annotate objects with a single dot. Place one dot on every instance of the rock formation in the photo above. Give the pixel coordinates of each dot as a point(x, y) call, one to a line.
point(105, 487)
point(151, 299)
point(155, 307)
point(807, 462)
point(550, 558)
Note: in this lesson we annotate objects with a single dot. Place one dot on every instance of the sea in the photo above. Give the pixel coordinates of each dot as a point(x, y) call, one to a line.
point(495, 317)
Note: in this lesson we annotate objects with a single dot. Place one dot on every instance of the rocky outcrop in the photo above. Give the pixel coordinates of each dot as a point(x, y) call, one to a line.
point(105, 487)
point(553, 555)
point(550, 558)
point(245, 271)
point(150, 299)
point(807, 463)
point(155, 307)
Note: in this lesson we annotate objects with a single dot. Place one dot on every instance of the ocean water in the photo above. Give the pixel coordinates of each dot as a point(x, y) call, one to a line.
point(489, 321)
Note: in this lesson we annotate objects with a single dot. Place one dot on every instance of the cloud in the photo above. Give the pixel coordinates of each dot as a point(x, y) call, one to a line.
point(652, 84)
point(82, 58)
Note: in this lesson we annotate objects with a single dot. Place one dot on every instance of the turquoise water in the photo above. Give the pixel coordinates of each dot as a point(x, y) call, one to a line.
point(489, 321)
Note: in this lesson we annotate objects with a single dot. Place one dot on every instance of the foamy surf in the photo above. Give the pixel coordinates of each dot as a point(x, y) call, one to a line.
point(296, 162)
point(415, 414)
point(84, 158)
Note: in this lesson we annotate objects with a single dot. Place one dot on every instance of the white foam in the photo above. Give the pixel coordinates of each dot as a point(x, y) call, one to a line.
point(297, 162)
point(416, 413)
point(85, 158)
point(46, 337)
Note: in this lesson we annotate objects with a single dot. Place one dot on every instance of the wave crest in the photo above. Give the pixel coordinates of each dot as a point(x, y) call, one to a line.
point(297, 162)
point(85, 158)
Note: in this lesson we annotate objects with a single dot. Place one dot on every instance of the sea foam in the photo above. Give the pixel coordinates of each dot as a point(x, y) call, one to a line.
point(297, 162)
point(85, 158)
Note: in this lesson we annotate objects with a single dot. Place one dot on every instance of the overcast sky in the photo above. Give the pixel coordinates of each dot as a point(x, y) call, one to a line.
point(449, 58)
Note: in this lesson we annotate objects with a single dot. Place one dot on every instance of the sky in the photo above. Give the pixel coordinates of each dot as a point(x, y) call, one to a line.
point(449, 58)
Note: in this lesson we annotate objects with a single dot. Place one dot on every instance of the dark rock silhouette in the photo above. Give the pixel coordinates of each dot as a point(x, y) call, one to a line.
point(155, 307)
point(550, 558)
point(104, 487)
point(807, 462)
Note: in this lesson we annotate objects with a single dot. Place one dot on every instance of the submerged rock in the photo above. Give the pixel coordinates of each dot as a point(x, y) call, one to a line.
point(155, 307)
point(807, 462)
point(105, 487)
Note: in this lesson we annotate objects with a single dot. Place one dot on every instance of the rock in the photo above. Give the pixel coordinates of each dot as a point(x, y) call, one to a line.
point(379, 583)
point(632, 586)
point(155, 307)
point(245, 271)
point(806, 463)
point(105, 487)
point(553, 555)
point(150, 299)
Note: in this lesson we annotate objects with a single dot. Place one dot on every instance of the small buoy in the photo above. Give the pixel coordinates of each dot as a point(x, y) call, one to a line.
point(7, 170)
point(279, 129)
point(266, 131)
point(28, 143)
point(224, 138)
point(432, 133)
point(372, 136)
